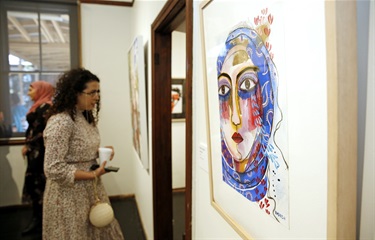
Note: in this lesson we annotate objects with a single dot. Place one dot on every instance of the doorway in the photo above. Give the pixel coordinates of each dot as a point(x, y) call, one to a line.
point(170, 17)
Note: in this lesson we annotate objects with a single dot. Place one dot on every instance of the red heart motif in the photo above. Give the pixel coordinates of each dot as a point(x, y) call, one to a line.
point(267, 31)
point(268, 212)
point(256, 20)
point(261, 205)
point(266, 200)
point(270, 19)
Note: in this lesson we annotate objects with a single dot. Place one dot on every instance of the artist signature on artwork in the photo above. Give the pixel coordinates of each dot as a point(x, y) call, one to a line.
point(280, 215)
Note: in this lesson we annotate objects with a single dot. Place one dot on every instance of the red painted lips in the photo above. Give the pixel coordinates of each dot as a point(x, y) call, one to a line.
point(237, 137)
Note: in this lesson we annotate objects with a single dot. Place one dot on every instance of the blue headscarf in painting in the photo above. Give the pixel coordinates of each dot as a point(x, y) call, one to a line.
point(253, 182)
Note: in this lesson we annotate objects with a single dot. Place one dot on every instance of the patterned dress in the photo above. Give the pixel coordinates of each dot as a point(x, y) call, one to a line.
point(34, 177)
point(70, 146)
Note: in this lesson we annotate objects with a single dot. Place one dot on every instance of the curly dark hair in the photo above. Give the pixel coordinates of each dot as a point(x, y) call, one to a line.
point(68, 86)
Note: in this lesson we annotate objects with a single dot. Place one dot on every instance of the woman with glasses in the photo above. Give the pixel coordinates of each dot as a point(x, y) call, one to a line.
point(72, 141)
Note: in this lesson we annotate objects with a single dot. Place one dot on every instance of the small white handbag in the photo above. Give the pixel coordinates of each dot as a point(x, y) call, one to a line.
point(101, 213)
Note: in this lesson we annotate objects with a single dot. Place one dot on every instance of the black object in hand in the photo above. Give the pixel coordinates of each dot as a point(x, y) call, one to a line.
point(107, 169)
point(94, 166)
point(111, 169)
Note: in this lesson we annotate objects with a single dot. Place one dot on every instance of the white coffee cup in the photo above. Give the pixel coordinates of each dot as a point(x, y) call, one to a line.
point(104, 154)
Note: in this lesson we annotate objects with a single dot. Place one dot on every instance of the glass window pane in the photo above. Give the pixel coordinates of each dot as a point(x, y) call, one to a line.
point(18, 111)
point(20, 102)
point(55, 42)
point(39, 48)
point(23, 38)
point(50, 77)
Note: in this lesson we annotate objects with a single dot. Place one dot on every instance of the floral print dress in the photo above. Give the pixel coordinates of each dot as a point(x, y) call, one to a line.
point(34, 177)
point(70, 146)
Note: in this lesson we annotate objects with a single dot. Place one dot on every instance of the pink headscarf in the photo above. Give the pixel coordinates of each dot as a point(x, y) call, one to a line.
point(43, 94)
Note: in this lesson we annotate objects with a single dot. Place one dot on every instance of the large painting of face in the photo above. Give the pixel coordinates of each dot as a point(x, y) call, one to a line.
point(240, 105)
point(245, 78)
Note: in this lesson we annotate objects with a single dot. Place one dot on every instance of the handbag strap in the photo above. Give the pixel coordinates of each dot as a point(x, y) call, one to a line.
point(95, 190)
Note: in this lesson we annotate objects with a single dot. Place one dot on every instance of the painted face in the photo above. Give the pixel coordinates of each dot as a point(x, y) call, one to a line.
point(89, 96)
point(239, 99)
point(175, 97)
point(32, 92)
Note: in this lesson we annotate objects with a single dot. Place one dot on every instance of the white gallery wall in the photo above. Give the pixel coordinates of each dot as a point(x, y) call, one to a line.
point(367, 203)
point(178, 125)
point(106, 56)
point(12, 173)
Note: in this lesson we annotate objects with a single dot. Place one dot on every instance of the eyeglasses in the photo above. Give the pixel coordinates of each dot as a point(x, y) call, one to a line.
point(93, 93)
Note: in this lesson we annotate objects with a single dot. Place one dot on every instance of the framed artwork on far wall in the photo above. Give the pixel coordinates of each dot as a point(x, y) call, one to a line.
point(137, 85)
point(178, 99)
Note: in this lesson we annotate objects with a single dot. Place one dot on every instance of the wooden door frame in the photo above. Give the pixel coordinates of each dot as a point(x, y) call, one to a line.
point(170, 17)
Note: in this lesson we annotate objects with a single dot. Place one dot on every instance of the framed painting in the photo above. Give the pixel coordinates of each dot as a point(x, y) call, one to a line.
point(137, 86)
point(263, 130)
point(178, 99)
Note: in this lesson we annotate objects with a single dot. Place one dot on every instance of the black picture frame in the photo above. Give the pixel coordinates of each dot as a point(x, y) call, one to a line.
point(178, 110)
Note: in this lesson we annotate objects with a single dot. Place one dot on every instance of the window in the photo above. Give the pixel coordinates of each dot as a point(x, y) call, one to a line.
point(38, 41)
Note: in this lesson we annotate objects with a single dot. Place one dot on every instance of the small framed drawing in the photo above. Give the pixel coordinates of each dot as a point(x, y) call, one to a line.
point(178, 99)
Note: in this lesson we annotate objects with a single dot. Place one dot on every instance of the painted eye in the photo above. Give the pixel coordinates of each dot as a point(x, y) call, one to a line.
point(247, 85)
point(223, 90)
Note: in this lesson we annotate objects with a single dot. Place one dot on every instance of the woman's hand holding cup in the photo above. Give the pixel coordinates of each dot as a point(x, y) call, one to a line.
point(105, 154)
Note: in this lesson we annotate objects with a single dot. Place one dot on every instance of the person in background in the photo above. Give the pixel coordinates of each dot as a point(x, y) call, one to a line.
point(41, 93)
point(5, 129)
point(18, 112)
point(72, 140)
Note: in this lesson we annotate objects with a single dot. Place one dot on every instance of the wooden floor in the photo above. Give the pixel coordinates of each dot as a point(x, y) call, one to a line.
point(13, 219)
